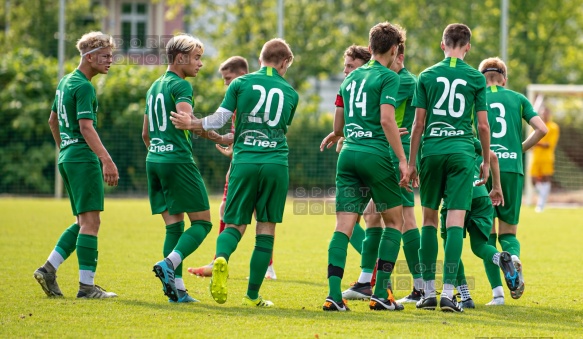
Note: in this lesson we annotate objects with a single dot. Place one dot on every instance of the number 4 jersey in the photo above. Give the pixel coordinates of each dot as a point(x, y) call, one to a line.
point(265, 104)
point(450, 91)
point(75, 99)
point(167, 143)
point(363, 92)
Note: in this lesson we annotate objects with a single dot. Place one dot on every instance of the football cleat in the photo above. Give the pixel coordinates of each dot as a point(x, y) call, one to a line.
point(183, 297)
point(203, 271)
point(331, 305)
point(270, 273)
point(358, 291)
point(427, 303)
point(496, 301)
point(509, 271)
point(48, 282)
point(449, 305)
point(259, 302)
point(467, 303)
point(516, 294)
point(164, 270)
point(218, 285)
point(93, 292)
point(389, 304)
point(413, 297)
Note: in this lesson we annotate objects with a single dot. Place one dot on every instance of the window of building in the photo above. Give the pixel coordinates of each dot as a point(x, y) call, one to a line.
point(134, 18)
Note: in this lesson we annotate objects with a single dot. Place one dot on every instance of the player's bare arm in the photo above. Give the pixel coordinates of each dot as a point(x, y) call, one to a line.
point(146, 132)
point(484, 134)
point(54, 125)
point(539, 131)
point(416, 133)
point(496, 193)
point(338, 132)
point(110, 173)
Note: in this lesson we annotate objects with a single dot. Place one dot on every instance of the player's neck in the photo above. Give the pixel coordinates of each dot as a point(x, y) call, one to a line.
point(494, 83)
point(384, 59)
point(458, 52)
point(176, 70)
point(87, 70)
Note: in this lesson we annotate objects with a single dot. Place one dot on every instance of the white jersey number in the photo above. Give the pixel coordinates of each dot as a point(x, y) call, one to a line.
point(262, 99)
point(449, 92)
point(61, 110)
point(499, 119)
point(360, 102)
point(160, 114)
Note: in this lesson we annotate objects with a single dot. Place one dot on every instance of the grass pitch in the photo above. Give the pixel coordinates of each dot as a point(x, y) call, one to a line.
point(130, 242)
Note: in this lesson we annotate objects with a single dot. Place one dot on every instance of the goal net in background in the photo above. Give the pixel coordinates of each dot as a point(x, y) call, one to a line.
point(566, 105)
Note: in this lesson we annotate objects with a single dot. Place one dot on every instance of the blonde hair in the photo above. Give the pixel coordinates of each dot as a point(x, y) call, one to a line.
point(182, 44)
point(275, 51)
point(494, 69)
point(94, 41)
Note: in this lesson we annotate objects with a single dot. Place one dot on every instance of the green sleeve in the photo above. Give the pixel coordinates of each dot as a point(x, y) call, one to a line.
point(55, 103)
point(182, 92)
point(420, 96)
point(230, 100)
point(294, 106)
point(527, 109)
point(84, 101)
point(390, 89)
point(480, 103)
point(406, 89)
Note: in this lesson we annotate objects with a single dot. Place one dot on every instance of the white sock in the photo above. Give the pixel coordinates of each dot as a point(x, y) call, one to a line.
point(429, 288)
point(179, 282)
point(447, 290)
point(175, 258)
point(464, 291)
point(418, 283)
point(497, 292)
point(544, 191)
point(496, 259)
point(87, 277)
point(364, 278)
point(56, 259)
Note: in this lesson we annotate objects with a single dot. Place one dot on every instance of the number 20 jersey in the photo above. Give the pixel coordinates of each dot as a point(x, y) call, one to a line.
point(167, 143)
point(265, 103)
point(363, 92)
point(450, 91)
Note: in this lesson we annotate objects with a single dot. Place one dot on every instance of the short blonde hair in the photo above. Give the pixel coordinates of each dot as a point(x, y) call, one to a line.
point(494, 69)
point(182, 44)
point(275, 51)
point(94, 40)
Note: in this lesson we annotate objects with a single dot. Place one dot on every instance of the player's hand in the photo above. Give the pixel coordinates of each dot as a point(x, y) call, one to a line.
point(329, 140)
point(110, 173)
point(404, 182)
point(484, 174)
point(412, 176)
point(181, 120)
point(403, 131)
point(339, 145)
point(496, 196)
point(227, 139)
point(225, 150)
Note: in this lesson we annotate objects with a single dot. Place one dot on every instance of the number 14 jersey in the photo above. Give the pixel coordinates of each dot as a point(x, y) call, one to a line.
point(450, 91)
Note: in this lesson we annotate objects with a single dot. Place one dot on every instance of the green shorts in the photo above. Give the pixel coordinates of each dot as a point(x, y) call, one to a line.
point(259, 187)
point(512, 184)
point(480, 217)
point(84, 184)
point(177, 188)
point(447, 176)
point(360, 176)
point(408, 198)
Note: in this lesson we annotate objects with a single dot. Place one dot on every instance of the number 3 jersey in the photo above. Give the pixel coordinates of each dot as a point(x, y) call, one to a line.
point(450, 91)
point(167, 143)
point(363, 92)
point(506, 110)
point(75, 99)
point(265, 104)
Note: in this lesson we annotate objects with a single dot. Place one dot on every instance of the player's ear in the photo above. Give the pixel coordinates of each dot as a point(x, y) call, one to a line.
point(442, 45)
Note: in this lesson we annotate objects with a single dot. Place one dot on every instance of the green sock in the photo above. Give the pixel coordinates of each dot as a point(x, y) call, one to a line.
point(453, 253)
point(492, 270)
point(461, 275)
point(358, 235)
point(509, 244)
point(388, 253)
point(192, 237)
point(370, 249)
point(68, 241)
point(227, 242)
point(428, 252)
point(87, 257)
point(173, 233)
point(411, 244)
point(336, 262)
point(259, 262)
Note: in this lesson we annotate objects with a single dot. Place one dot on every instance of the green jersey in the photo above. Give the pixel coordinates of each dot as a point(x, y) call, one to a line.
point(363, 92)
point(75, 99)
point(405, 111)
point(506, 110)
point(167, 143)
point(265, 104)
point(450, 91)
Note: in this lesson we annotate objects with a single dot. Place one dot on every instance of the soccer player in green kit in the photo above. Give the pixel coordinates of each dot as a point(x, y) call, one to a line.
point(446, 95)
point(365, 169)
point(506, 111)
point(73, 121)
point(175, 185)
point(265, 103)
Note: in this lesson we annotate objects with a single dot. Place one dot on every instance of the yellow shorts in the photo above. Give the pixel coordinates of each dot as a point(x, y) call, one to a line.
point(542, 169)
